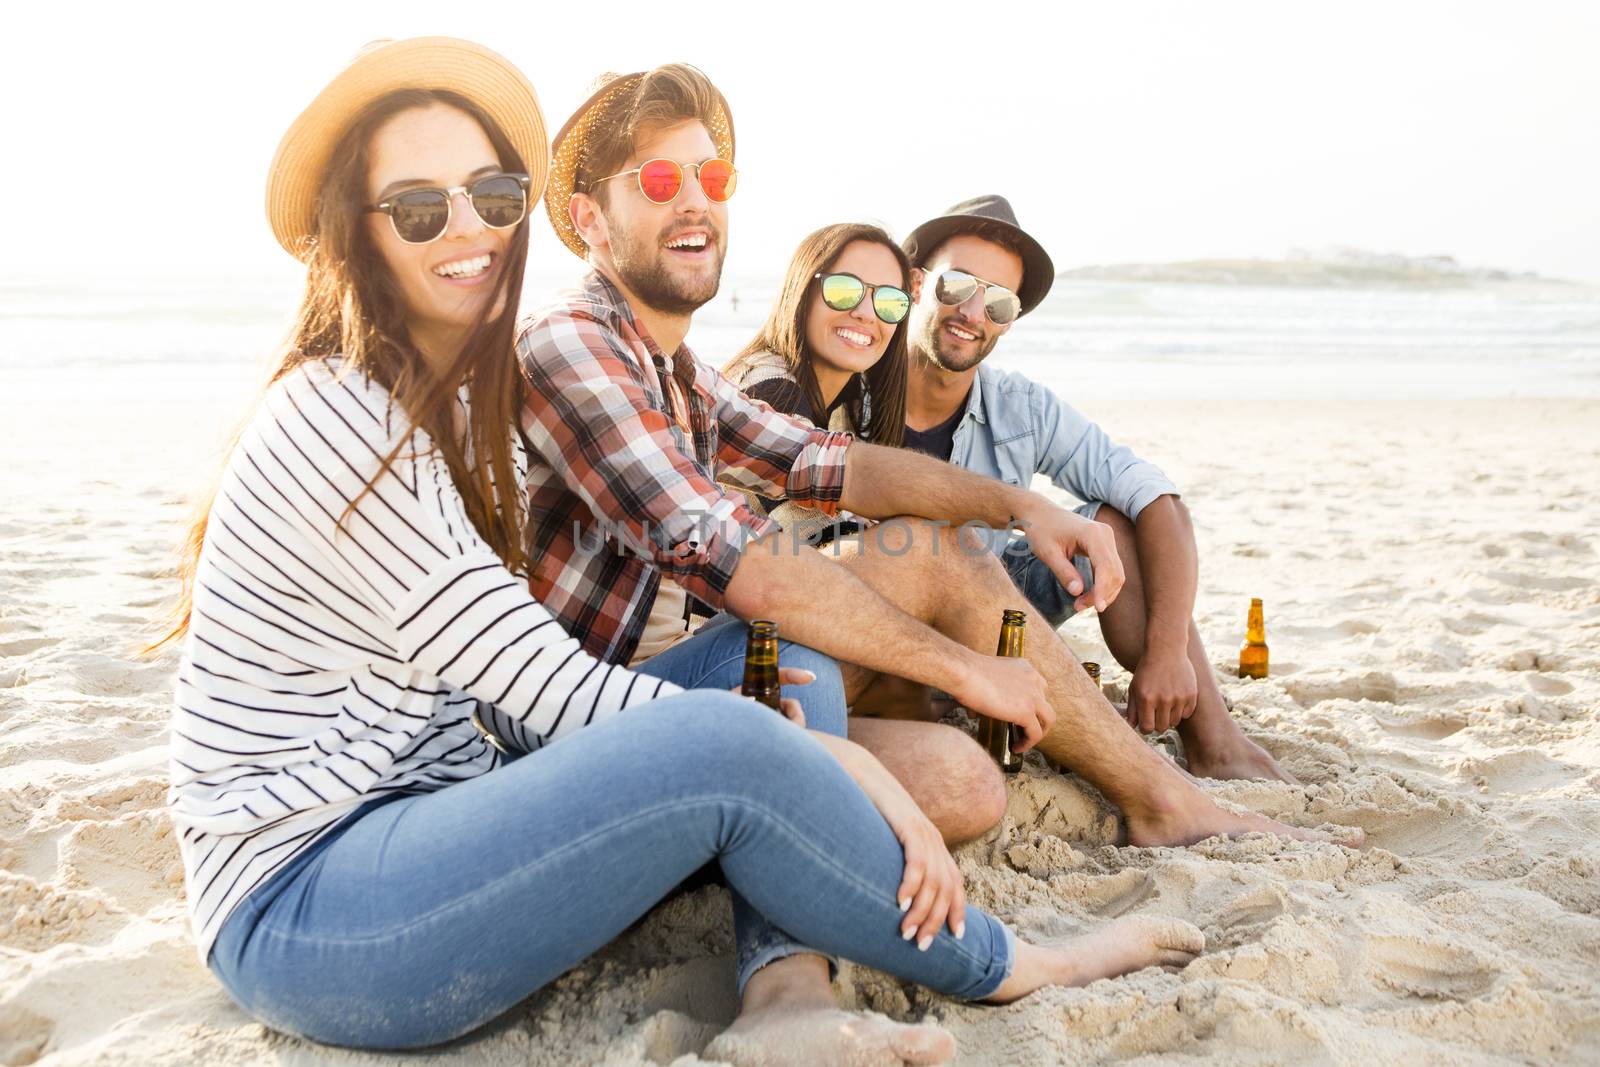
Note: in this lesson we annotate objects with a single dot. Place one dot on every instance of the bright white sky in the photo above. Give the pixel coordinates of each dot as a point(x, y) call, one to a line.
point(139, 133)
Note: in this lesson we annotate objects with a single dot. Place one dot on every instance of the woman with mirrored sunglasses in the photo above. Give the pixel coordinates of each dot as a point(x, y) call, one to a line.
point(364, 864)
point(833, 350)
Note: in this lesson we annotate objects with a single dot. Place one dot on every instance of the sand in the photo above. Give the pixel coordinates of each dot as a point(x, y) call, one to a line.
point(1433, 607)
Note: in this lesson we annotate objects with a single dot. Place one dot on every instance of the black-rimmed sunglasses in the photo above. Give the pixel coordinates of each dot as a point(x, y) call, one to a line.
point(844, 292)
point(423, 215)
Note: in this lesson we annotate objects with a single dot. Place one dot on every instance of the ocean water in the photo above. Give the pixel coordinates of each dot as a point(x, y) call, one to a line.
point(1090, 340)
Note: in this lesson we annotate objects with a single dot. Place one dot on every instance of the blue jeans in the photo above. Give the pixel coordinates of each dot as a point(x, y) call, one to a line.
point(714, 659)
point(1039, 583)
point(422, 917)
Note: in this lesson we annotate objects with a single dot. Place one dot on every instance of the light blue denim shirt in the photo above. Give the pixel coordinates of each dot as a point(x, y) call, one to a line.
point(1015, 428)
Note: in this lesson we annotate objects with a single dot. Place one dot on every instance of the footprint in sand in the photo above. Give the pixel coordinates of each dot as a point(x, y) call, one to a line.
point(1418, 967)
point(24, 1035)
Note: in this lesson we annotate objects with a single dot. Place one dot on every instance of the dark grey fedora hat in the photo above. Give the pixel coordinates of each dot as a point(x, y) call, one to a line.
point(1038, 273)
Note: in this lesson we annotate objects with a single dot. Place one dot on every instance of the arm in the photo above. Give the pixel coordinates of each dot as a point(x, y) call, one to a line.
point(882, 482)
point(589, 415)
point(819, 603)
point(931, 891)
point(450, 607)
point(1164, 688)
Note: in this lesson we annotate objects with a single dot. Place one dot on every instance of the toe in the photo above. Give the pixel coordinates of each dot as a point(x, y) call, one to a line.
point(925, 1045)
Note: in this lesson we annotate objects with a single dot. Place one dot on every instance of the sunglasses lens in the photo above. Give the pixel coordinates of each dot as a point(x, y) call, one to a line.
point(1001, 305)
point(718, 179)
point(842, 292)
point(891, 304)
point(953, 287)
point(499, 201)
point(420, 216)
point(660, 180)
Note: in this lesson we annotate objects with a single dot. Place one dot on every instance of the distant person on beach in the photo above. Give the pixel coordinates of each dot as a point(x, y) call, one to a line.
point(630, 433)
point(364, 866)
point(975, 273)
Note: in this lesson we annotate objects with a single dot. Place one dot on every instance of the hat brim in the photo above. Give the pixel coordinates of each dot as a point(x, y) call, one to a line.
point(485, 77)
point(569, 151)
point(1038, 271)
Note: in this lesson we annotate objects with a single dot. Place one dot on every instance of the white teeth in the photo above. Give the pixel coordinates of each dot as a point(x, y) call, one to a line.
point(854, 337)
point(464, 268)
point(963, 334)
point(697, 240)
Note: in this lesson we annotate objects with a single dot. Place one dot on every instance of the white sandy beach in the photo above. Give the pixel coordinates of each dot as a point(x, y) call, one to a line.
point(1432, 588)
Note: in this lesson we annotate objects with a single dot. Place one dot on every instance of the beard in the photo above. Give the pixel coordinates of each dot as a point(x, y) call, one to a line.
point(645, 268)
point(941, 350)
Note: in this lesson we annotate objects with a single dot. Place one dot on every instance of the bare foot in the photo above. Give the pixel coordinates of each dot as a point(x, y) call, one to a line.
point(1187, 815)
point(802, 1037)
point(1242, 758)
point(790, 1019)
point(1128, 944)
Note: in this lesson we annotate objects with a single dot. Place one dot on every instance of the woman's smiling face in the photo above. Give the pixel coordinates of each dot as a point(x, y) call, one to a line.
point(446, 283)
point(852, 341)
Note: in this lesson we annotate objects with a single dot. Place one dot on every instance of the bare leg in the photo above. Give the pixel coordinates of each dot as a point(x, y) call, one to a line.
point(790, 1017)
point(1212, 742)
point(942, 580)
point(951, 778)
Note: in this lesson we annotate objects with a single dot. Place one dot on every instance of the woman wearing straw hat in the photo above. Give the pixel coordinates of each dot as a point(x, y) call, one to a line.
point(362, 867)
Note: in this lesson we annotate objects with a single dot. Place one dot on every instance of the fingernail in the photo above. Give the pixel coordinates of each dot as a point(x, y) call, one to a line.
point(905, 905)
point(922, 946)
point(908, 934)
point(961, 930)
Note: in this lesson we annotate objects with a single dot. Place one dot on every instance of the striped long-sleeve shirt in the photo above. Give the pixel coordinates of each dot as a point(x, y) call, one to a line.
point(337, 654)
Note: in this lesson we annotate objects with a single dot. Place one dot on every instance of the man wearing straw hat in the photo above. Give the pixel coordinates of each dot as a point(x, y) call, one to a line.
point(630, 432)
point(975, 273)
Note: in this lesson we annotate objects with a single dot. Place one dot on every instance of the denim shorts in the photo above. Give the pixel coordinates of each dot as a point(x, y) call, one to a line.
point(1038, 582)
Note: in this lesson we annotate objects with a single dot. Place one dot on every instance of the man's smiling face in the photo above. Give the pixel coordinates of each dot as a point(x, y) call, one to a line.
point(958, 338)
point(669, 256)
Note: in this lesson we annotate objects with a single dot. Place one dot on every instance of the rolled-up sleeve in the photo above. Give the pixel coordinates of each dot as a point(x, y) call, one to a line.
point(588, 415)
point(1076, 454)
point(763, 451)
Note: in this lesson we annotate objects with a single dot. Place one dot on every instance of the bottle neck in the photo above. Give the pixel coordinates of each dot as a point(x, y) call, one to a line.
point(1255, 630)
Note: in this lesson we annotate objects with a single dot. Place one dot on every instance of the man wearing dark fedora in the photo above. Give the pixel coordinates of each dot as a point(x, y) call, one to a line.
point(976, 272)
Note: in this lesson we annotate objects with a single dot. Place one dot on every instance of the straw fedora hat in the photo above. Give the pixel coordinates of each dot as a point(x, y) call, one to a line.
point(597, 115)
point(484, 77)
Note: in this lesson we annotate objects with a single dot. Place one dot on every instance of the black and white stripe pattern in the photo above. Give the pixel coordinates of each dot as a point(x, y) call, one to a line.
point(338, 653)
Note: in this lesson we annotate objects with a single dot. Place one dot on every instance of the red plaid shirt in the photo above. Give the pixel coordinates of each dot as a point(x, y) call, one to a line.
point(627, 447)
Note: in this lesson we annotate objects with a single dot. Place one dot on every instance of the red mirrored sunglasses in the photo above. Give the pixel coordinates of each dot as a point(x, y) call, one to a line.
point(661, 180)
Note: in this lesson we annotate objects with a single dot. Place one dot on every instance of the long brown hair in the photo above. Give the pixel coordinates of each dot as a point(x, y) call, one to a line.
point(785, 333)
point(353, 309)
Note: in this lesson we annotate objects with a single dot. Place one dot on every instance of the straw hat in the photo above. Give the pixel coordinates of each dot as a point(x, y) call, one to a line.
point(598, 116)
point(484, 77)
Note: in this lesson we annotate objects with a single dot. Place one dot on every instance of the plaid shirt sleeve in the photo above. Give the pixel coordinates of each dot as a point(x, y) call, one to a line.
point(591, 417)
point(766, 452)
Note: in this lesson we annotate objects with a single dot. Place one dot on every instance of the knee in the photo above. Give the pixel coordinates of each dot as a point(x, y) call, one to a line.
point(975, 791)
point(1120, 524)
point(823, 699)
point(934, 544)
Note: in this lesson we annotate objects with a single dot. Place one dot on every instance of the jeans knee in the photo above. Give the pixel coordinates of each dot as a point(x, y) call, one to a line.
point(823, 699)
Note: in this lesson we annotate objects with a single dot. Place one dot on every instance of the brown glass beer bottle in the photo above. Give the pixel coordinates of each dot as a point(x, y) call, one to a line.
point(995, 734)
point(761, 664)
point(1253, 653)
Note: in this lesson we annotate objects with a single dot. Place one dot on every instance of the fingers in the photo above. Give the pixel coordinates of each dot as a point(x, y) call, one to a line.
point(939, 901)
point(792, 711)
point(911, 884)
point(795, 676)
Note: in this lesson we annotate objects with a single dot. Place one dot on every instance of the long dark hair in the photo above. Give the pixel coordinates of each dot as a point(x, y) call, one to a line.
point(353, 309)
point(785, 334)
